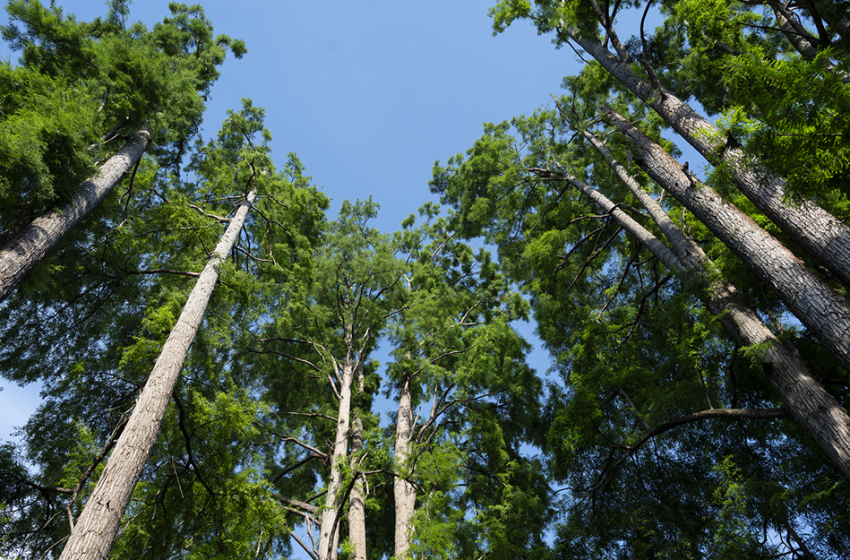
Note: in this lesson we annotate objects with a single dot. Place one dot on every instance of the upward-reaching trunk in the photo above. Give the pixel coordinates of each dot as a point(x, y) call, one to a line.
point(812, 227)
point(357, 502)
point(814, 303)
point(403, 491)
point(834, 16)
point(329, 529)
point(806, 400)
point(97, 526)
point(793, 31)
point(28, 247)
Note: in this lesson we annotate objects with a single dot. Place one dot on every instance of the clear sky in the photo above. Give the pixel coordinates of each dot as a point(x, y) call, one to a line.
point(368, 94)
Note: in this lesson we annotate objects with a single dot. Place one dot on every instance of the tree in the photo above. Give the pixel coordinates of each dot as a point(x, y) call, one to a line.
point(459, 475)
point(636, 347)
point(174, 237)
point(809, 225)
point(326, 333)
point(98, 524)
point(52, 142)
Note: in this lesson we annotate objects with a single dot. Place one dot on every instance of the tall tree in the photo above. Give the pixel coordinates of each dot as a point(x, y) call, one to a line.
point(173, 238)
point(637, 350)
point(457, 350)
point(330, 327)
point(96, 528)
point(52, 144)
point(817, 231)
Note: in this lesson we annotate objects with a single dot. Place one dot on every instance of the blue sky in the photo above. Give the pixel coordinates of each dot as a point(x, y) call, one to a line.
point(368, 94)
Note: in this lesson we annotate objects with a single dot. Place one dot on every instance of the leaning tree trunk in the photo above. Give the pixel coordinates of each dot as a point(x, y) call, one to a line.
point(834, 17)
point(815, 304)
point(329, 529)
point(28, 247)
point(97, 526)
point(806, 400)
point(403, 491)
point(813, 228)
point(357, 501)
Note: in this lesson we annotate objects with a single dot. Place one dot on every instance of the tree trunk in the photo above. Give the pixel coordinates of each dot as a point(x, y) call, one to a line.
point(834, 17)
point(357, 501)
point(805, 399)
point(329, 530)
point(97, 526)
point(814, 303)
point(812, 227)
point(794, 32)
point(28, 247)
point(403, 491)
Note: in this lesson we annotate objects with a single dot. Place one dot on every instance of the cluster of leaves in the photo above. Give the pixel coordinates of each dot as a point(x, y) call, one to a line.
point(79, 87)
point(638, 352)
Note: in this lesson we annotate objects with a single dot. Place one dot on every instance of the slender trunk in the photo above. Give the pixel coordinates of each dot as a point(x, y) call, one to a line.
point(836, 18)
point(793, 31)
point(403, 491)
point(28, 247)
point(814, 303)
point(357, 501)
point(812, 227)
point(806, 400)
point(329, 530)
point(97, 526)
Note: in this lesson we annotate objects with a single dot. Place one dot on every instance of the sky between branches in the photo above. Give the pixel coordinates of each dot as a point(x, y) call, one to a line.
point(368, 94)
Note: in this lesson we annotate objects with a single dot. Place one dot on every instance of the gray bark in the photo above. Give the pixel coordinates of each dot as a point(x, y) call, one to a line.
point(813, 228)
point(28, 247)
point(814, 303)
point(98, 524)
point(329, 528)
point(404, 492)
point(357, 501)
point(793, 31)
point(806, 400)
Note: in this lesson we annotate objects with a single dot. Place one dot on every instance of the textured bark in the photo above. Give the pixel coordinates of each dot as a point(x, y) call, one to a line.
point(794, 32)
point(403, 491)
point(357, 501)
point(329, 530)
point(28, 247)
point(677, 238)
point(814, 303)
point(97, 526)
point(806, 400)
point(813, 228)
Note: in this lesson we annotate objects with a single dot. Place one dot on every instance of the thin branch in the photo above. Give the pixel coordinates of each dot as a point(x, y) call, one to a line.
point(208, 215)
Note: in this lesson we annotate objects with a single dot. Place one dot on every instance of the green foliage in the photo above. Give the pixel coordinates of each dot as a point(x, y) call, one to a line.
point(45, 131)
point(636, 349)
point(82, 86)
point(203, 491)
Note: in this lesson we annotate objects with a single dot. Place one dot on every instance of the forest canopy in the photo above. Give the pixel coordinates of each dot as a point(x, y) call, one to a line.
point(228, 371)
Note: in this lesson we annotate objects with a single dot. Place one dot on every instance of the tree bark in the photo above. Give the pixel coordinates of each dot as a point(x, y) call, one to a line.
point(814, 303)
point(403, 491)
point(329, 529)
point(28, 247)
point(812, 227)
point(357, 501)
point(834, 17)
point(98, 524)
point(807, 401)
point(794, 32)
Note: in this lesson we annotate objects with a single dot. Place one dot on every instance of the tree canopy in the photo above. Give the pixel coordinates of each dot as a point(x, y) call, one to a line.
point(348, 392)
